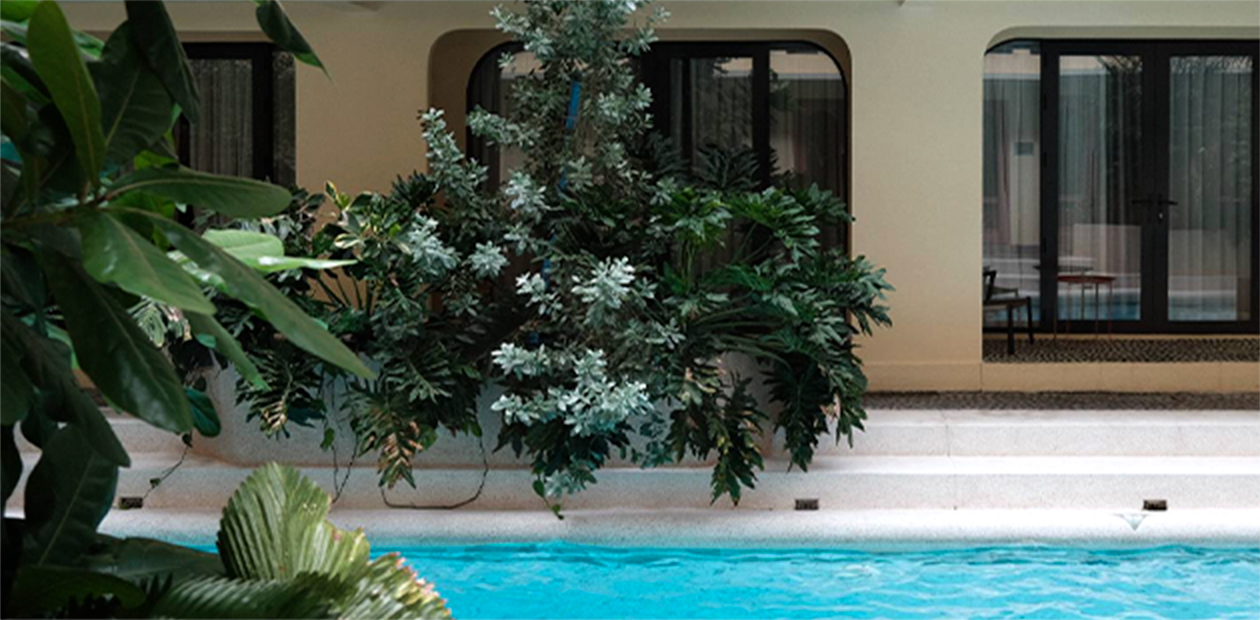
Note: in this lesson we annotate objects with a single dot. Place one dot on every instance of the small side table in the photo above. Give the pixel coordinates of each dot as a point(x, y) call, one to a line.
point(1086, 280)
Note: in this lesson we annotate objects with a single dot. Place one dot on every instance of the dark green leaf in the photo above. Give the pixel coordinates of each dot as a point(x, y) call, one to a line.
point(232, 196)
point(10, 463)
point(244, 284)
point(217, 597)
point(276, 25)
point(56, 58)
point(140, 559)
point(114, 352)
point(67, 495)
point(155, 36)
point(210, 333)
point(205, 418)
point(41, 590)
point(47, 363)
point(114, 253)
point(88, 45)
point(13, 117)
point(16, 394)
point(20, 73)
point(135, 107)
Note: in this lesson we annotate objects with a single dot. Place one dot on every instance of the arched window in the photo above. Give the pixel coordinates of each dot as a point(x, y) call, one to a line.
point(782, 104)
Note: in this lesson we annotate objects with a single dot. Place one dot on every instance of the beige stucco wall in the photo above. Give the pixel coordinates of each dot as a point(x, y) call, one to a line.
point(915, 71)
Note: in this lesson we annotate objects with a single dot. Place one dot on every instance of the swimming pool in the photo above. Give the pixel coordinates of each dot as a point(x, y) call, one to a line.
point(560, 580)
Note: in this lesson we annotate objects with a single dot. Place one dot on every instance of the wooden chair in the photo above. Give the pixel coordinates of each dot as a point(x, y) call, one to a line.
point(997, 297)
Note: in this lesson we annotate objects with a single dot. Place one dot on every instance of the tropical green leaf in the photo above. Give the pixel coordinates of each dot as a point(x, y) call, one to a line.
point(388, 589)
point(55, 56)
point(205, 418)
point(244, 284)
point(88, 45)
point(231, 196)
point(13, 117)
point(135, 107)
point(47, 363)
point(42, 590)
point(211, 334)
point(67, 495)
point(140, 559)
point(17, 10)
point(113, 253)
point(155, 36)
point(114, 352)
point(276, 25)
point(10, 463)
point(21, 75)
point(265, 252)
point(275, 527)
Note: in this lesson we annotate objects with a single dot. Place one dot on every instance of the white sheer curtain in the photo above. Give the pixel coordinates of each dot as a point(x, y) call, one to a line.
point(1210, 176)
point(222, 140)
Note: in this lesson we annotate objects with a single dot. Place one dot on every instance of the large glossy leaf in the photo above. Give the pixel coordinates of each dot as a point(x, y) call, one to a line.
point(114, 253)
point(17, 10)
point(275, 527)
point(40, 590)
point(244, 284)
point(16, 393)
point(56, 58)
point(10, 463)
point(135, 107)
point(155, 36)
point(13, 121)
point(21, 75)
point(232, 196)
point(265, 252)
point(114, 352)
point(205, 418)
point(47, 363)
point(210, 333)
point(67, 495)
point(276, 25)
point(140, 559)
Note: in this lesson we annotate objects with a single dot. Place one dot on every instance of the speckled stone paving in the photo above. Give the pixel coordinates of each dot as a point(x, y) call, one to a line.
point(1117, 349)
point(1062, 401)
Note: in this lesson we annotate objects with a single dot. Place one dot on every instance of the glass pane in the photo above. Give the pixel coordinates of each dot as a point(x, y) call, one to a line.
point(1012, 173)
point(1100, 172)
point(1210, 178)
point(718, 103)
point(221, 142)
point(807, 122)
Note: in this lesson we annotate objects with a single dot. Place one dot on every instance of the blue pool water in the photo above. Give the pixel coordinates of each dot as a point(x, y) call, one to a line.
point(557, 580)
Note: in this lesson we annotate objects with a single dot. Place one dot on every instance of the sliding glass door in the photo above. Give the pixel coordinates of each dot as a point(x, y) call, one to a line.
point(1148, 193)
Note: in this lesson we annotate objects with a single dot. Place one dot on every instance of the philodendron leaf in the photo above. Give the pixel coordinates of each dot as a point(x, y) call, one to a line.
point(47, 363)
point(276, 25)
point(54, 54)
point(41, 590)
point(135, 107)
point(67, 495)
point(16, 393)
point(114, 351)
point(265, 252)
point(241, 282)
point(205, 418)
point(17, 10)
point(155, 36)
point(231, 196)
point(114, 253)
point(211, 334)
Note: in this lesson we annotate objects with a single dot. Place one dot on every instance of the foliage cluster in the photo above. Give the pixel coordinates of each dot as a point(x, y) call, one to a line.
point(92, 254)
point(586, 287)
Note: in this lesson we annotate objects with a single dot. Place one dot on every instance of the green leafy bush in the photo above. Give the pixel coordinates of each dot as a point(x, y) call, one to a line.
point(608, 292)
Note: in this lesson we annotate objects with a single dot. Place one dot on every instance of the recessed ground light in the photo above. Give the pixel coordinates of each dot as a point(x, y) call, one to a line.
point(1155, 505)
point(130, 503)
point(807, 504)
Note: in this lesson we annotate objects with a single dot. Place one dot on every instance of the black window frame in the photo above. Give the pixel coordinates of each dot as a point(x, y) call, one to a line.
point(263, 100)
point(1154, 239)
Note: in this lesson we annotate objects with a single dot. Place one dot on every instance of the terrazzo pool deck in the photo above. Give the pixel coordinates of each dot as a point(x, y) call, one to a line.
point(872, 530)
